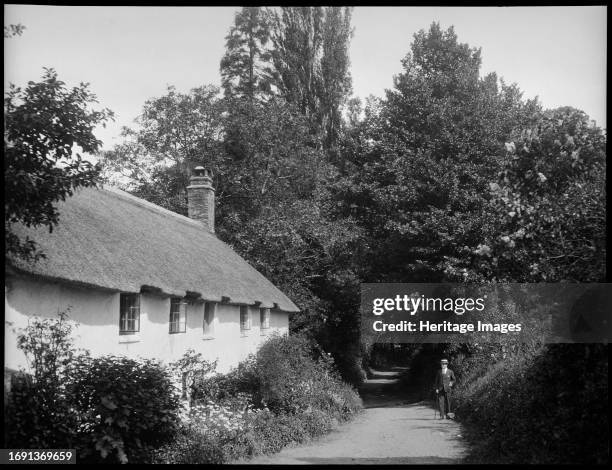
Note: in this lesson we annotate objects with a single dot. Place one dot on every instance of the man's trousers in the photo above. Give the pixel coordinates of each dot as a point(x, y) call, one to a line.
point(444, 403)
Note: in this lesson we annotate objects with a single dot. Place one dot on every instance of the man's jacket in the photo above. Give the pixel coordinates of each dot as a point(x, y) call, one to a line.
point(445, 381)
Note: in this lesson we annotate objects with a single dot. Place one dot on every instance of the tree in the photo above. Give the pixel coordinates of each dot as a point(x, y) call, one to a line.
point(269, 177)
point(39, 411)
point(549, 204)
point(246, 57)
point(335, 81)
point(417, 168)
point(270, 157)
point(296, 40)
point(176, 132)
point(310, 64)
point(43, 124)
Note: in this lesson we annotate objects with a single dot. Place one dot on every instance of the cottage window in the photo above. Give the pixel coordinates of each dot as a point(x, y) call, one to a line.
point(129, 313)
point(178, 315)
point(264, 318)
point(209, 318)
point(245, 319)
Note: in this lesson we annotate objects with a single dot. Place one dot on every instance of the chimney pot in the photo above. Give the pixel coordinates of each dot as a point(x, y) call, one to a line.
point(201, 171)
point(201, 198)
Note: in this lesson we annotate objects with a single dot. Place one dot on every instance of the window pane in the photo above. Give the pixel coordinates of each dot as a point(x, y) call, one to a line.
point(209, 316)
point(264, 318)
point(129, 314)
point(245, 323)
point(178, 316)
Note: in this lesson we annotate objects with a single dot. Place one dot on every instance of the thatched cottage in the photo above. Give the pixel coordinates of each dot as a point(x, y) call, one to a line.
point(143, 281)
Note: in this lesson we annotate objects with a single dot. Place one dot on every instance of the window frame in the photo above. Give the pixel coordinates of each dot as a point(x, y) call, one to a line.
point(265, 315)
point(245, 326)
point(182, 309)
point(208, 327)
point(128, 304)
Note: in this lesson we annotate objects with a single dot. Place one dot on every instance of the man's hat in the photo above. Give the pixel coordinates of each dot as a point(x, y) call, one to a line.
point(444, 361)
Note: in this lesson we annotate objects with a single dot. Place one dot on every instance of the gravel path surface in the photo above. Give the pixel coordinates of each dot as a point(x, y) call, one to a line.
point(391, 430)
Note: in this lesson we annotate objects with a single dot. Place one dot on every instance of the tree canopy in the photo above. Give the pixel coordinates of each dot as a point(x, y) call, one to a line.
point(45, 123)
point(451, 176)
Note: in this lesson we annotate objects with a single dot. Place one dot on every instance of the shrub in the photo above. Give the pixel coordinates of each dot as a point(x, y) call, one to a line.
point(38, 412)
point(33, 421)
point(243, 378)
point(128, 406)
point(105, 407)
point(210, 434)
point(288, 374)
point(190, 446)
point(262, 432)
point(276, 431)
point(545, 406)
point(295, 375)
point(191, 371)
point(289, 391)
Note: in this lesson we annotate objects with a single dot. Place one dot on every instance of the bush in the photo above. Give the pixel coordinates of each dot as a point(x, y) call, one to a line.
point(106, 407)
point(191, 370)
point(33, 421)
point(295, 376)
point(289, 375)
point(241, 382)
point(38, 413)
point(548, 406)
point(288, 392)
point(128, 407)
point(191, 446)
point(262, 432)
point(115, 409)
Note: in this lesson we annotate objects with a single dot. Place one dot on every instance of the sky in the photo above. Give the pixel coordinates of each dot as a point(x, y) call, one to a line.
point(131, 54)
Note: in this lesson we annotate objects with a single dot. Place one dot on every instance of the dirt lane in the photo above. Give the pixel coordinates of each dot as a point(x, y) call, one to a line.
point(391, 430)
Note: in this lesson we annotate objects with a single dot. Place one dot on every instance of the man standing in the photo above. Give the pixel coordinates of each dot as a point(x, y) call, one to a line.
point(445, 380)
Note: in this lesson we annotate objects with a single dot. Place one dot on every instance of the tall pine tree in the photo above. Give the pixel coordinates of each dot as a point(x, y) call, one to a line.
point(246, 56)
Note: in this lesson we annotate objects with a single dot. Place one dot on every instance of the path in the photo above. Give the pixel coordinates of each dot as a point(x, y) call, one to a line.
point(391, 430)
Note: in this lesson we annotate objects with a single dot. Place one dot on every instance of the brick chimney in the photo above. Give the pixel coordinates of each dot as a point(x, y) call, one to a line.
point(201, 198)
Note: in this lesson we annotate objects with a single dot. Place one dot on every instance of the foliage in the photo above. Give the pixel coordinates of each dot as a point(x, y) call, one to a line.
point(267, 172)
point(266, 158)
point(269, 157)
point(549, 204)
point(305, 255)
point(49, 346)
point(294, 375)
point(261, 432)
point(43, 124)
point(39, 412)
point(452, 176)
point(239, 381)
point(246, 58)
point(191, 369)
point(288, 392)
point(462, 181)
point(273, 432)
point(546, 407)
point(129, 406)
point(419, 165)
point(191, 446)
point(108, 408)
point(335, 82)
point(176, 132)
point(311, 65)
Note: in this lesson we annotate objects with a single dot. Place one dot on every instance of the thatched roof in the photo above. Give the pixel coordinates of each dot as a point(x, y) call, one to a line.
point(109, 239)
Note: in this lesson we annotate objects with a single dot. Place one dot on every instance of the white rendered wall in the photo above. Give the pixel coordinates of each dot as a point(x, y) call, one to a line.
point(97, 313)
